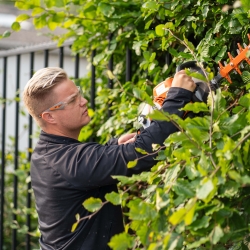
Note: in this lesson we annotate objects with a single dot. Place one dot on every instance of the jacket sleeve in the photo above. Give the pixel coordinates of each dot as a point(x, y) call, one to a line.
point(92, 165)
point(158, 131)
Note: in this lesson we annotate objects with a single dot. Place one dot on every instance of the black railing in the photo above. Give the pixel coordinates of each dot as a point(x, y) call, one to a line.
point(34, 56)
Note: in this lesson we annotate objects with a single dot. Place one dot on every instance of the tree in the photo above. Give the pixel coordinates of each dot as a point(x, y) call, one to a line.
point(197, 196)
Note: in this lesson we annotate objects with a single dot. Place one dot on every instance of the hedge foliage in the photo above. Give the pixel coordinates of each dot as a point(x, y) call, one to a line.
point(198, 194)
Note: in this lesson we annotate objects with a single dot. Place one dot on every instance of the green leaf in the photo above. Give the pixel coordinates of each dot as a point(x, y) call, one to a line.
point(205, 10)
point(200, 223)
point(196, 107)
point(245, 152)
point(171, 174)
point(245, 4)
point(182, 187)
point(225, 148)
point(146, 55)
point(173, 52)
point(143, 233)
point(16, 26)
point(40, 21)
point(198, 243)
point(54, 3)
point(152, 57)
point(37, 11)
point(160, 30)
point(147, 25)
point(114, 198)
point(219, 103)
point(156, 147)
point(121, 241)
point(22, 17)
point(198, 128)
point(124, 179)
point(191, 171)
point(175, 242)
point(245, 100)
point(186, 55)
point(52, 25)
point(77, 217)
point(110, 75)
point(74, 226)
point(162, 199)
point(106, 9)
point(190, 211)
point(98, 58)
point(216, 235)
point(132, 164)
point(159, 116)
point(205, 189)
point(151, 67)
point(59, 3)
point(58, 17)
point(221, 53)
point(23, 5)
point(6, 33)
point(139, 45)
point(230, 189)
point(204, 165)
point(234, 26)
point(140, 94)
point(196, 75)
point(177, 216)
point(245, 77)
point(92, 204)
point(141, 210)
point(245, 180)
point(151, 5)
point(234, 124)
point(141, 151)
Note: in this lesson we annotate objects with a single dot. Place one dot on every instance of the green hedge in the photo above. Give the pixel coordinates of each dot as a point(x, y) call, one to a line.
point(197, 196)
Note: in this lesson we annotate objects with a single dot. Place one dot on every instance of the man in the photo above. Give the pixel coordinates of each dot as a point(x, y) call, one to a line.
point(66, 172)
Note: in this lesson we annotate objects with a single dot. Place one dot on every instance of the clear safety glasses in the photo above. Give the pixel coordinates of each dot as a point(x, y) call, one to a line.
point(69, 100)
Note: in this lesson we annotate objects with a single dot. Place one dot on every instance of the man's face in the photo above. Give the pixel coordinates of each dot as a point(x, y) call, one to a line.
point(74, 114)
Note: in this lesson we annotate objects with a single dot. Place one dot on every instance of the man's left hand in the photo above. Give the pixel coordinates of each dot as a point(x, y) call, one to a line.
point(127, 138)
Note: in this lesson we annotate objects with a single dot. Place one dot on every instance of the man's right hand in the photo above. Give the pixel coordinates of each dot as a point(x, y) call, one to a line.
point(182, 80)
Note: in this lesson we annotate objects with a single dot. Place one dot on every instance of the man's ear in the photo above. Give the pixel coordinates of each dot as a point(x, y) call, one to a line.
point(48, 117)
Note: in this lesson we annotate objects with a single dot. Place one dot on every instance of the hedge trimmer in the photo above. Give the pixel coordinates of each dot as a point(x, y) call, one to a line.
point(202, 90)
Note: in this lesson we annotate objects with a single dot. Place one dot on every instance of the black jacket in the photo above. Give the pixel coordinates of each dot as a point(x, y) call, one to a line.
point(65, 172)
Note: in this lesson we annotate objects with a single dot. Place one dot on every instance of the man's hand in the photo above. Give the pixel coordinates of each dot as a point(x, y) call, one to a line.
point(182, 80)
point(128, 138)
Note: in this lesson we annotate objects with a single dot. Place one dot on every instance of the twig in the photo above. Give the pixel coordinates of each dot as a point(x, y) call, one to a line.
point(241, 141)
point(91, 215)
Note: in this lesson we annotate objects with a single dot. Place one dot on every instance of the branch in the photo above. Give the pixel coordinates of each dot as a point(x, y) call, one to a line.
point(91, 215)
point(241, 141)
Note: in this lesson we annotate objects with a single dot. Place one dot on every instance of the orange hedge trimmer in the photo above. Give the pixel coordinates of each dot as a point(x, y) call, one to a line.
point(235, 61)
point(202, 90)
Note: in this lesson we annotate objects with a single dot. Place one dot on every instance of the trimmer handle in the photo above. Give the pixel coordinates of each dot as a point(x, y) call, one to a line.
point(189, 64)
point(202, 89)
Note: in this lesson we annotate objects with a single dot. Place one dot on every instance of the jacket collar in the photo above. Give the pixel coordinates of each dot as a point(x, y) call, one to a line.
point(56, 138)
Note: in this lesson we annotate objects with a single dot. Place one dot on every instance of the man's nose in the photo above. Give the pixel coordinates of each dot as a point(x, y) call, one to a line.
point(83, 101)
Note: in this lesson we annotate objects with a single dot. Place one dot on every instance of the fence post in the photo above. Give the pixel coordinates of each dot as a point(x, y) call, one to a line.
point(28, 201)
point(15, 182)
point(3, 152)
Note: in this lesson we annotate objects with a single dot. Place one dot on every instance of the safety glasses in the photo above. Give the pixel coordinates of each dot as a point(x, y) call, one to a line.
point(69, 100)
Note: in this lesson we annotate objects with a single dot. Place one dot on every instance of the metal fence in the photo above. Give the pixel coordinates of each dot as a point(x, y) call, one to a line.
point(16, 67)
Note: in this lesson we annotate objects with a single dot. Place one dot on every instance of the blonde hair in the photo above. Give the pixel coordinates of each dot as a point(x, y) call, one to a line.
point(37, 94)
